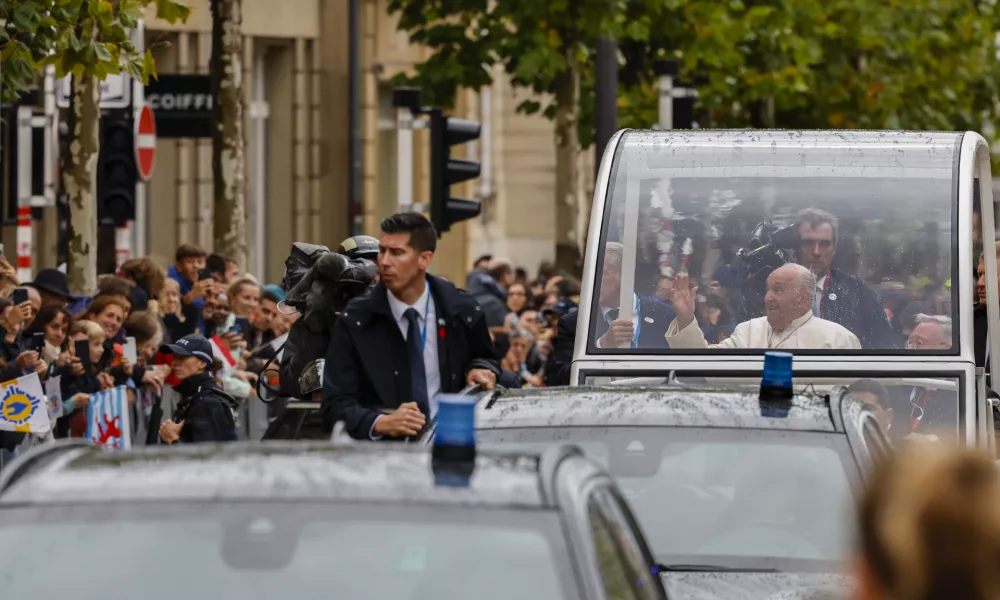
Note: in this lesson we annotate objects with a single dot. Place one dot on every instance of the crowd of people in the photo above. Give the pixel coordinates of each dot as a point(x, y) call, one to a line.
point(133, 332)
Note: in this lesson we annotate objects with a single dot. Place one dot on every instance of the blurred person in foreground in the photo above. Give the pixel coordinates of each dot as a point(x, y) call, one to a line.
point(929, 528)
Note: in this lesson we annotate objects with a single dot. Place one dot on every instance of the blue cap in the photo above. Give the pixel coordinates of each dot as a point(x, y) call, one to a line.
point(276, 290)
point(454, 440)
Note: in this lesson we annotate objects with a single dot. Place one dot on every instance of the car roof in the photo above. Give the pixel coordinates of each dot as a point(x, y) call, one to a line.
point(385, 472)
point(675, 406)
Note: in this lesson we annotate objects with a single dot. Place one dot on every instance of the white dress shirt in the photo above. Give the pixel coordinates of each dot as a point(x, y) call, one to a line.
point(808, 332)
point(426, 319)
point(635, 315)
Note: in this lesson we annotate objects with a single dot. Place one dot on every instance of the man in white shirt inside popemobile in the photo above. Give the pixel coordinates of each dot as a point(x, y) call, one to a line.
point(790, 323)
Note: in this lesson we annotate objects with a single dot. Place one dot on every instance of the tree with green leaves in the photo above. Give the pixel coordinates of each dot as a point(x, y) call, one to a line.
point(228, 160)
point(546, 47)
point(88, 39)
point(824, 64)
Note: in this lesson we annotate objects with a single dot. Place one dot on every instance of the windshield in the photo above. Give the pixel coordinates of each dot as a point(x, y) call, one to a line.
point(247, 551)
point(728, 241)
point(722, 497)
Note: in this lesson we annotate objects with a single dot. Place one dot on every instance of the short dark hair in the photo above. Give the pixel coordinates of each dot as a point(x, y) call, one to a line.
point(489, 257)
point(185, 251)
point(870, 386)
point(815, 217)
point(217, 262)
point(270, 296)
point(116, 286)
point(568, 287)
point(423, 237)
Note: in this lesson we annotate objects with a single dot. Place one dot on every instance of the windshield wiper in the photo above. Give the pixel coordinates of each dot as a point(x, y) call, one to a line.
point(659, 568)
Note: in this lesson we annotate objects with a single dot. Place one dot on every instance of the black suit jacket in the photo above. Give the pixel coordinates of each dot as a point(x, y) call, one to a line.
point(367, 367)
point(655, 316)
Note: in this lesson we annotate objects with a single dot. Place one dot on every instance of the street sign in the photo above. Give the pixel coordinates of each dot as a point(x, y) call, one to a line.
point(182, 104)
point(145, 142)
point(116, 91)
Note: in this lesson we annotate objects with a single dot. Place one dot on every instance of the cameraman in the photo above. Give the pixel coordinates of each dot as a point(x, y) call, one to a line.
point(841, 298)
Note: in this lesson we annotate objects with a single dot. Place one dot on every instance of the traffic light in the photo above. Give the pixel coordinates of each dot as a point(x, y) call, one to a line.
point(447, 171)
point(116, 171)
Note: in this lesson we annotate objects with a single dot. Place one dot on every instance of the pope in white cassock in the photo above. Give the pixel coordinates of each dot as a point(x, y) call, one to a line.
point(789, 324)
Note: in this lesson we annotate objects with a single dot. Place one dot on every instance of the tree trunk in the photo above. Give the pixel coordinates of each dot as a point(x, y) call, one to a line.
point(228, 157)
point(572, 217)
point(80, 180)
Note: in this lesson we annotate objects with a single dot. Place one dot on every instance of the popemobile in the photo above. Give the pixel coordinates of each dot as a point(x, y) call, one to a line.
point(849, 275)
point(705, 241)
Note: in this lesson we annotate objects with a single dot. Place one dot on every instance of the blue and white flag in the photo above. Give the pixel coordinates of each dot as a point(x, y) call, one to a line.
point(107, 419)
point(23, 406)
point(53, 393)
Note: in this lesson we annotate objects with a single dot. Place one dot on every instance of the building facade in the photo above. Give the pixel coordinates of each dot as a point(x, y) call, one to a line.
point(297, 69)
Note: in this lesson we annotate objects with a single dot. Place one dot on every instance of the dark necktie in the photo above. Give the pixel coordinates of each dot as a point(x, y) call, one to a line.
point(418, 375)
point(612, 316)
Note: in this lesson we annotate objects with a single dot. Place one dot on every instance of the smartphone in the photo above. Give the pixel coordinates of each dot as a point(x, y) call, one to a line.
point(204, 274)
point(20, 296)
point(37, 342)
point(1, 249)
point(83, 352)
point(242, 326)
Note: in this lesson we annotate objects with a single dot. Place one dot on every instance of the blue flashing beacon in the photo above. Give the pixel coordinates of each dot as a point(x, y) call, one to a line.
point(453, 458)
point(776, 385)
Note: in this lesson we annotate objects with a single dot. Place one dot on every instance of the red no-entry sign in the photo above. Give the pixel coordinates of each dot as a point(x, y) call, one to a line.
point(145, 142)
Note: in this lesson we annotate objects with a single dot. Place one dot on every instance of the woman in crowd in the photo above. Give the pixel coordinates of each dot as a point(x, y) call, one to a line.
point(517, 298)
point(15, 359)
point(521, 344)
point(54, 321)
point(930, 528)
point(244, 298)
point(179, 319)
point(108, 311)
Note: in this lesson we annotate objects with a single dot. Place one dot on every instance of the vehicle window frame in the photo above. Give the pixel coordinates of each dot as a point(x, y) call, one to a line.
point(590, 346)
point(548, 521)
point(600, 507)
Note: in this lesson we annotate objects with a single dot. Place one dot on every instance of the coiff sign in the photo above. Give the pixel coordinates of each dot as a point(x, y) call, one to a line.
point(183, 105)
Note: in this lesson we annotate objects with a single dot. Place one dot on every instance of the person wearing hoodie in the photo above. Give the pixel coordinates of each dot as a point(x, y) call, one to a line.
point(490, 291)
point(478, 268)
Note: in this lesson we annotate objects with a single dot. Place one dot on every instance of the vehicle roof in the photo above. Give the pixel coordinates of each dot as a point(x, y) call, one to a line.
point(677, 406)
point(270, 471)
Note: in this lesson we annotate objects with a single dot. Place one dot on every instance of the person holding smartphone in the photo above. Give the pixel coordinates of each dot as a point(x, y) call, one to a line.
point(194, 279)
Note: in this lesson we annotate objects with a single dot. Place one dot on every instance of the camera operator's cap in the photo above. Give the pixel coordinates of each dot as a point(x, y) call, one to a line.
point(276, 290)
point(191, 345)
point(359, 246)
point(561, 308)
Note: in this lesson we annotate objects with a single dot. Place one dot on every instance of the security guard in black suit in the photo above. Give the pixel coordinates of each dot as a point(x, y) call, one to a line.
point(650, 319)
point(412, 336)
